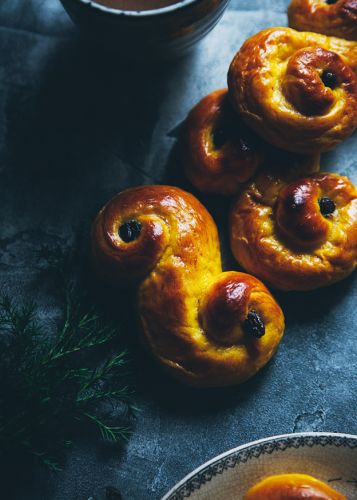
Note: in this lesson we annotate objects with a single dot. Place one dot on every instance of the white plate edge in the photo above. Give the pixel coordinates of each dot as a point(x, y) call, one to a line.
point(253, 443)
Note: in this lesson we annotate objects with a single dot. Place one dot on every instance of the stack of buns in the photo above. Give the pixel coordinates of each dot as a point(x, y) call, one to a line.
point(291, 96)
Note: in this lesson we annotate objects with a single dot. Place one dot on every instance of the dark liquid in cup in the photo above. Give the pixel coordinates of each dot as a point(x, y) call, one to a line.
point(135, 4)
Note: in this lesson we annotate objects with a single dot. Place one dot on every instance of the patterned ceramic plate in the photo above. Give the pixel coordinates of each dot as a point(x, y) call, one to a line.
point(329, 457)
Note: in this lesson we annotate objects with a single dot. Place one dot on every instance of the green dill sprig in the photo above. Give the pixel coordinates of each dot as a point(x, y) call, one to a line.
point(52, 383)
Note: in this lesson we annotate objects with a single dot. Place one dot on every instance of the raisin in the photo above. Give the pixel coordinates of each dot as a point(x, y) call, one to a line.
point(327, 206)
point(253, 325)
point(130, 231)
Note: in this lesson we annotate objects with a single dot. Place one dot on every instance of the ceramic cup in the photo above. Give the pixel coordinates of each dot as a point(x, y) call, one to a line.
point(160, 33)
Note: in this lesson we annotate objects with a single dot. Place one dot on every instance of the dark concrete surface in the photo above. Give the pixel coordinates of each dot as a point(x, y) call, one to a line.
point(77, 126)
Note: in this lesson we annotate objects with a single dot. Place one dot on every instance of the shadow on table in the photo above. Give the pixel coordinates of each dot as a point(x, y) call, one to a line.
point(314, 305)
point(180, 400)
point(84, 104)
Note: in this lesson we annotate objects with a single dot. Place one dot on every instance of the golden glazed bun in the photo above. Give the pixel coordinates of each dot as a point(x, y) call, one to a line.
point(206, 327)
point(292, 487)
point(296, 89)
point(296, 233)
point(330, 17)
point(220, 153)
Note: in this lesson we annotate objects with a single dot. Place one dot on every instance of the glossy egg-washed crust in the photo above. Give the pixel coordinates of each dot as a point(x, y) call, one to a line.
point(279, 234)
point(276, 84)
point(192, 314)
point(220, 153)
point(292, 487)
point(334, 19)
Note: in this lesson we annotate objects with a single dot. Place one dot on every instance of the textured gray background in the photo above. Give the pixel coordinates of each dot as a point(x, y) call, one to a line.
point(75, 128)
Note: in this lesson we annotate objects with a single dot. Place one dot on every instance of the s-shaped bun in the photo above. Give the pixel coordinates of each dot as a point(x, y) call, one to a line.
point(207, 328)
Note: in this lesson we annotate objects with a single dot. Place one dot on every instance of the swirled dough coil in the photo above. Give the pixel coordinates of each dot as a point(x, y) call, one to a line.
point(296, 89)
point(207, 328)
point(296, 233)
point(220, 153)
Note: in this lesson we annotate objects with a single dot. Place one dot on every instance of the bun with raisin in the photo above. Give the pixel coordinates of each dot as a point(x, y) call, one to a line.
point(296, 233)
point(207, 328)
point(296, 90)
